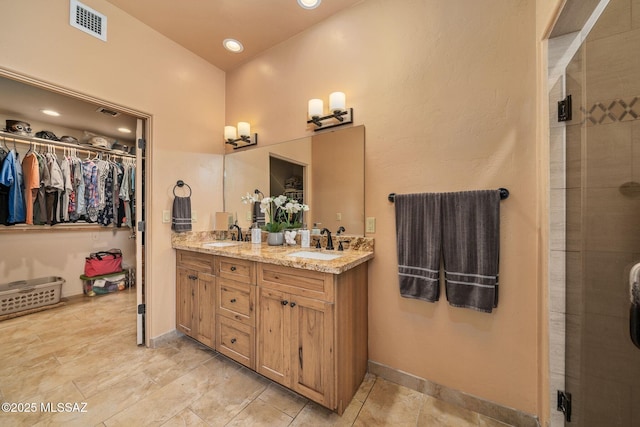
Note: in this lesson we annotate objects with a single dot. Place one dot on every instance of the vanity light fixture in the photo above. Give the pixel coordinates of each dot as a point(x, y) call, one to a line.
point(242, 138)
point(340, 114)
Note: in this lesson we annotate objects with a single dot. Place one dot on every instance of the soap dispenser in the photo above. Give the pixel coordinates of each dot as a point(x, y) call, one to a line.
point(256, 234)
point(305, 238)
point(316, 229)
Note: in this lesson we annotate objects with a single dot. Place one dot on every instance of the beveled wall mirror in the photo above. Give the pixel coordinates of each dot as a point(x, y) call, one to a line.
point(328, 171)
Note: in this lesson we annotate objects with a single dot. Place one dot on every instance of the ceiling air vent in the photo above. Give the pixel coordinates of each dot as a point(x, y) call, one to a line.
point(88, 20)
point(108, 112)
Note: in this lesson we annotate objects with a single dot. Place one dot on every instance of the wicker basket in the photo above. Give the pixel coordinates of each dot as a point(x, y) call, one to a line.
point(28, 294)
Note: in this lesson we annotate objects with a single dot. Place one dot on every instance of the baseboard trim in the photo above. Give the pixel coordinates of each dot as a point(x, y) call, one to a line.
point(161, 340)
point(490, 409)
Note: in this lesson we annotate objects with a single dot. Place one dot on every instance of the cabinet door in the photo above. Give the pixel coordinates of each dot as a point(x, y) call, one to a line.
point(185, 299)
point(312, 361)
point(273, 334)
point(206, 302)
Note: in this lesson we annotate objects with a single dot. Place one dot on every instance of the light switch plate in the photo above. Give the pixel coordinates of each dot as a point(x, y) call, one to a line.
point(194, 216)
point(338, 216)
point(370, 226)
point(166, 217)
point(248, 216)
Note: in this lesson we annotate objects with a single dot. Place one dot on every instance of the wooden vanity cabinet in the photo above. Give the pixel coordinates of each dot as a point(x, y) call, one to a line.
point(312, 331)
point(235, 318)
point(304, 329)
point(195, 296)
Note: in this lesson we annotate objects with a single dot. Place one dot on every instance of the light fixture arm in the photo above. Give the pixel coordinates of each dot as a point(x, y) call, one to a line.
point(247, 140)
point(342, 116)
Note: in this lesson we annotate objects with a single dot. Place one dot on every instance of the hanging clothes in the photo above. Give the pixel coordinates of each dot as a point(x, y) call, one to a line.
point(40, 205)
point(31, 173)
point(90, 174)
point(11, 177)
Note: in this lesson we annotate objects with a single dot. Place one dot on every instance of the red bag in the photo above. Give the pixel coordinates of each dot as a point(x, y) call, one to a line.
point(104, 262)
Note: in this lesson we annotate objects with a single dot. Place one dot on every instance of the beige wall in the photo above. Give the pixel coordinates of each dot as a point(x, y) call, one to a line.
point(142, 70)
point(447, 92)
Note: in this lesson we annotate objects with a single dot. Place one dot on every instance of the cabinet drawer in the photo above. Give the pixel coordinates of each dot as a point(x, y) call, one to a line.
point(240, 270)
point(309, 283)
point(236, 340)
point(236, 301)
point(196, 261)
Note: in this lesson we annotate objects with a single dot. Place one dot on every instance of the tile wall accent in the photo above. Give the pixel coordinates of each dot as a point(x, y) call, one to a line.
point(611, 111)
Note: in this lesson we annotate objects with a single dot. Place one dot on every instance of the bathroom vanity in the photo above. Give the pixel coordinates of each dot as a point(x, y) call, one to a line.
point(295, 319)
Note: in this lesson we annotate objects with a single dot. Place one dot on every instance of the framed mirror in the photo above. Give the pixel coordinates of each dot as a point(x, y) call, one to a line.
point(325, 170)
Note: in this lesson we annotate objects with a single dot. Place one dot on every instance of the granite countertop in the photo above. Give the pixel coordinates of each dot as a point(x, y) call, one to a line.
point(360, 251)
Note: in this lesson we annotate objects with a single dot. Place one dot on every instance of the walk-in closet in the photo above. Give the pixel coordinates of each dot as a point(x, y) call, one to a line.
point(71, 184)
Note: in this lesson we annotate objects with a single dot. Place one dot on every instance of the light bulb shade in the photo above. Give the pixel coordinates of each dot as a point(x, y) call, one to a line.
point(315, 107)
point(244, 129)
point(230, 132)
point(337, 101)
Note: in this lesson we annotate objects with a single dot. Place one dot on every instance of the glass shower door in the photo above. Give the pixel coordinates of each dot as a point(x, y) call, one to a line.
point(603, 220)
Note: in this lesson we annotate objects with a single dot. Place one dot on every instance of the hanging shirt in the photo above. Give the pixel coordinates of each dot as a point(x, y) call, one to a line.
point(90, 174)
point(31, 175)
point(11, 177)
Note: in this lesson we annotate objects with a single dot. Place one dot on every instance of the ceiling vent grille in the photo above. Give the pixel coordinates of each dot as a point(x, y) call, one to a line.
point(88, 20)
point(108, 112)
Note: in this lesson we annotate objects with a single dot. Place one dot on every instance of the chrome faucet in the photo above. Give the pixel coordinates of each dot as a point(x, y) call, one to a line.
point(239, 231)
point(329, 241)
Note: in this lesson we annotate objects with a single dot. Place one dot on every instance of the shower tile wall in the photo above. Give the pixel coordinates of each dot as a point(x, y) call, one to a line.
point(603, 219)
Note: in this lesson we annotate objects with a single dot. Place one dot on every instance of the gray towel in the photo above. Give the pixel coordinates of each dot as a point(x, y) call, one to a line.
point(471, 246)
point(418, 236)
point(181, 216)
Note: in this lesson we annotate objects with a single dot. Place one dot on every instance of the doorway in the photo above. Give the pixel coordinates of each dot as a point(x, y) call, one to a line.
point(59, 250)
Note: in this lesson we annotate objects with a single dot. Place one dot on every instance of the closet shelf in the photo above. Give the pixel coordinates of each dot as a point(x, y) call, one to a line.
point(60, 227)
point(7, 136)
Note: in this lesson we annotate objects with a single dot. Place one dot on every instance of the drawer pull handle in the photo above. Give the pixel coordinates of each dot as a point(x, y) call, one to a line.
point(193, 277)
point(233, 268)
point(233, 340)
point(285, 302)
point(233, 300)
point(293, 304)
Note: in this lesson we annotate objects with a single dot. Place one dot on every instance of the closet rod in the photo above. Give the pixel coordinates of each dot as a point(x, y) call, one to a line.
point(39, 141)
point(504, 193)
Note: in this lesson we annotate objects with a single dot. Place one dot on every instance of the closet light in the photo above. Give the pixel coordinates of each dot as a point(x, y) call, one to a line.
point(50, 113)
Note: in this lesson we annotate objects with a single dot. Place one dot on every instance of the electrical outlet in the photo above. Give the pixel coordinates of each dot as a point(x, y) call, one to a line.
point(370, 226)
point(166, 217)
point(338, 216)
point(194, 216)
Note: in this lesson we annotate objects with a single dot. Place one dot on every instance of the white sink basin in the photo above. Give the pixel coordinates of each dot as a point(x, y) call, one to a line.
point(315, 255)
point(220, 244)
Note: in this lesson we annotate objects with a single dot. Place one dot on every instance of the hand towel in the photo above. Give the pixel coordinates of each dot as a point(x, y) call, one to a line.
point(418, 237)
point(181, 216)
point(470, 247)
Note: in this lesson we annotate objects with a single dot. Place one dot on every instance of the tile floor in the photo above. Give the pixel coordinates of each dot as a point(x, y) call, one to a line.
point(84, 353)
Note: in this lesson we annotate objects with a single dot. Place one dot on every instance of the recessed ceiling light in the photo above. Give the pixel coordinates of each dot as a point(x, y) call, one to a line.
point(233, 45)
point(50, 113)
point(309, 4)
